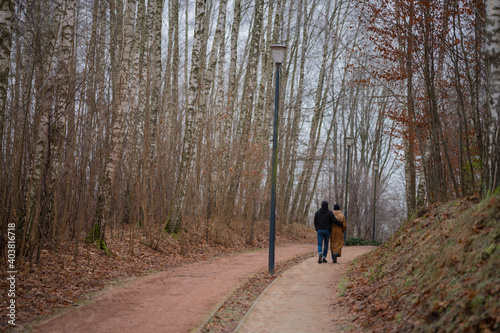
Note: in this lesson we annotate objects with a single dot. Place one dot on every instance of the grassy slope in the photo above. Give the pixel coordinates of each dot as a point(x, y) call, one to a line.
point(439, 272)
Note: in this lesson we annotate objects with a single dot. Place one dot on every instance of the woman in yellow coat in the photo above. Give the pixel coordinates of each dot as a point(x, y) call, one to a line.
point(337, 235)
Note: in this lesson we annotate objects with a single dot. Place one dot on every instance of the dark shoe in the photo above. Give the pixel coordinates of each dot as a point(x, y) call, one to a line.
point(324, 260)
point(320, 259)
point(334, 258)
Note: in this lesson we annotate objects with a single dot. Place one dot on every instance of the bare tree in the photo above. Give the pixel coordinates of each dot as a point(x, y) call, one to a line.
point(97, 132)
point(493, 97)
point(175, 214)
point(6, 19)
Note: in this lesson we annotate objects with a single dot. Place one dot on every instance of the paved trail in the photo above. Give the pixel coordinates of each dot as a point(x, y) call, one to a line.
point(172, 301)
point(298, 301)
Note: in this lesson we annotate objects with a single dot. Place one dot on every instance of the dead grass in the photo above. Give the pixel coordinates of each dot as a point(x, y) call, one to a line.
point(439, 272)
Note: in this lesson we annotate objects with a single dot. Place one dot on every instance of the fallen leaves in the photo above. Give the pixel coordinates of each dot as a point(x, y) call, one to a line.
point(447, 278)
point(60, 281)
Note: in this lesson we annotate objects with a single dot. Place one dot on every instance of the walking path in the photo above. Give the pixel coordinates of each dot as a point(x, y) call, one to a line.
point(179, 300)
point(299, 300)
point(172, 301)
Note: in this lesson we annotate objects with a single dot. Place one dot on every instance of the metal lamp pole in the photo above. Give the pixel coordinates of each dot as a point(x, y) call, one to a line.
point(278, 52)
point(375, 169)
point(348, 141)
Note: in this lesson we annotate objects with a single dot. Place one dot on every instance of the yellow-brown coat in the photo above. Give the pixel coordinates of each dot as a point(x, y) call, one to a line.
point(337, 236)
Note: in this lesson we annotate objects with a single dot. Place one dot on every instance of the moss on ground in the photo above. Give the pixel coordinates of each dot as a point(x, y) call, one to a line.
point(95, 236)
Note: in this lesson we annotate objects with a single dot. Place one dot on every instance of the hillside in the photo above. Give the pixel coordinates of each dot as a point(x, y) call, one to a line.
point(440, 272)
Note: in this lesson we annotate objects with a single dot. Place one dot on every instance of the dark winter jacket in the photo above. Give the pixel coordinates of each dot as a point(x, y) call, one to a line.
point(324, 218)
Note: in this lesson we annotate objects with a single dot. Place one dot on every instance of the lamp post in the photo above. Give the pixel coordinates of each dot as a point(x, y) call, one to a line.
point(348, 141)
point(375, 169)
point(278, 52)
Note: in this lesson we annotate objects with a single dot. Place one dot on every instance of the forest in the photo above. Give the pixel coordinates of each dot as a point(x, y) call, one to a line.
point(155, 117)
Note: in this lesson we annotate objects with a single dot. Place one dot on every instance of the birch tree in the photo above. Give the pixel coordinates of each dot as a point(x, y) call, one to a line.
point(156, 69)
point(52, 125)
point(6, 19)
point(215, 84)
point(316, 123)
point(291, 135)
point(232, 97)
point(175, 214)
point(493, 87)
point(7, 11)
point(122, 98)
point(249, 91)
point(65, 102)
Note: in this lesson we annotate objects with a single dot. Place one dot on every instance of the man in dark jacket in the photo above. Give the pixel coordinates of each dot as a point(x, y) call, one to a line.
point(323, 222)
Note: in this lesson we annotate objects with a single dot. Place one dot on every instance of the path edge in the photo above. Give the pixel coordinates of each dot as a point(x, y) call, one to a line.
point(242, 321)
point(200, 327)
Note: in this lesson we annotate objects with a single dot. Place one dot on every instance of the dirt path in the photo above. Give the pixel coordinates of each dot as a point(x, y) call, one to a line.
point(171, 301)
point(299, 300)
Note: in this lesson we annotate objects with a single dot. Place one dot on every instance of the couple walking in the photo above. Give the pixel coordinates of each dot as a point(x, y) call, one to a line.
point(329, 226)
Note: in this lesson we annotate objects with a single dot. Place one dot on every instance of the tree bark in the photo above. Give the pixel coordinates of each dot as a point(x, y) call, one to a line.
point(174, 220)
point(492, 51)
point(249, 90)
point(6, 19)
point(122, 98)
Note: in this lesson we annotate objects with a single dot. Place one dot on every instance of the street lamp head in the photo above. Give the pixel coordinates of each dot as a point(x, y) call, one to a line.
point(349, 141)
point(375, 167)
point(278, 52)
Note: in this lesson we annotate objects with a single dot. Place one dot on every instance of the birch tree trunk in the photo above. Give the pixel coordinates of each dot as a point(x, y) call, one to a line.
point(6, 20)
point(221, 136)
point(262, 119)
point(157, 69)
point(249, 91)
point(122, 98)
point(65, 101)
point(212, 61)
point(439, 192)
point(142, 142)
point(216, 63)
point(258, 144)
point(112, 196)
point(315, 129)
point(174, 105)
point(139, 71)
point(493, 87)
point(232, 97)
point(7, 9)
point(174, 220)
point(48, 129)
point(287, 174)
point(170, 96)
point(474, 77)
point(408, 142)
point(94, 86)
point(295, 207)
point(173, 15)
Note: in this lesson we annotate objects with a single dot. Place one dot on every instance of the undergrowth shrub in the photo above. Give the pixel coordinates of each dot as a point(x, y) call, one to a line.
point(352, 241)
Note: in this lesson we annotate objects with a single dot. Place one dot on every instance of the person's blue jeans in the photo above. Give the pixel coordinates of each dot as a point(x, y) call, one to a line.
point(323, 238)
